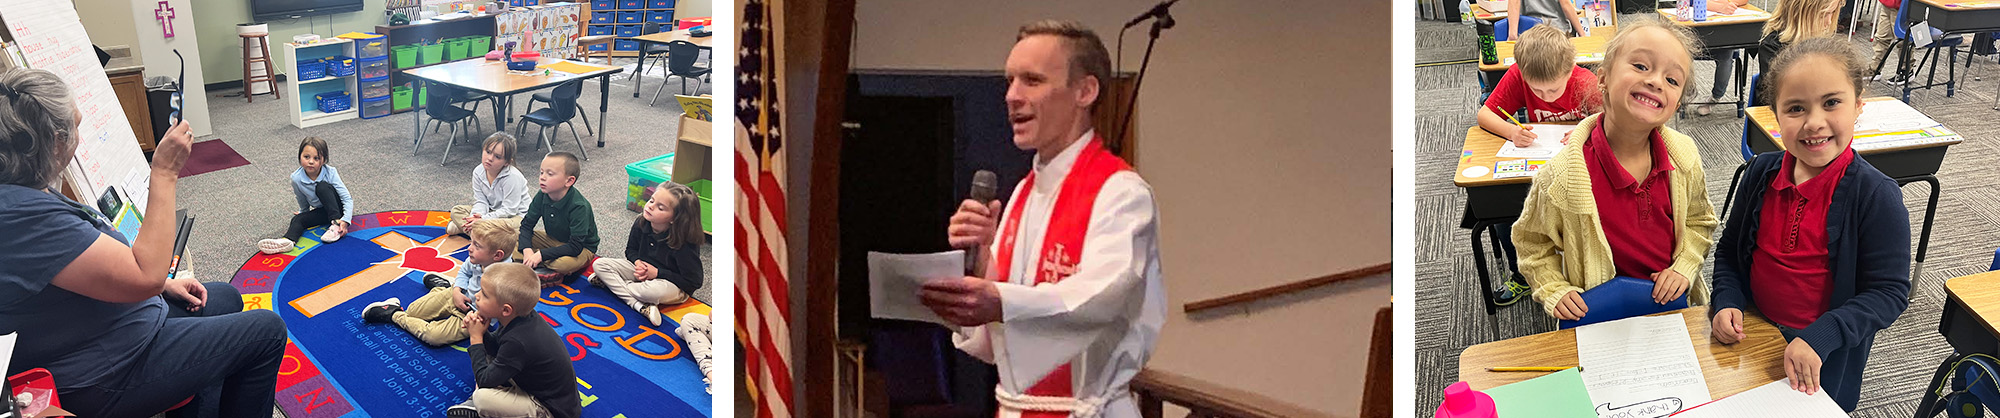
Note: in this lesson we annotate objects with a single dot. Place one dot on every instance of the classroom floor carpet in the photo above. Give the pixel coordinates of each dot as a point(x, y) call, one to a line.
point(236, 207)
point(339, 365)
point(1962, 240)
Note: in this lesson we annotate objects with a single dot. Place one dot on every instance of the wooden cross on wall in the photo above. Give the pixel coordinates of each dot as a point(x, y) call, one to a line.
point(165, 14)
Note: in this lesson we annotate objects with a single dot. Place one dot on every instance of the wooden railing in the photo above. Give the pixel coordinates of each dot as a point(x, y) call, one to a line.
point(1154, 389)
point(1283, 289)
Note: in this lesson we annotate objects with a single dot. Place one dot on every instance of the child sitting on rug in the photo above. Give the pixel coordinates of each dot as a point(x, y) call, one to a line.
point(323, 199)
point(499, 192)
point(664, 245)
point(569, 240)
point(522, 368)
point(436, 317)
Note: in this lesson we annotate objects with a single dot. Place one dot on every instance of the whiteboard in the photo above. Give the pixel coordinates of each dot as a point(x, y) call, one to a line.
point(51, 37)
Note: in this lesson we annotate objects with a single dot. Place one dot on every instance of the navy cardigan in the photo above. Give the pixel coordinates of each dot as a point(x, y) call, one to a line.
point(1868, 240)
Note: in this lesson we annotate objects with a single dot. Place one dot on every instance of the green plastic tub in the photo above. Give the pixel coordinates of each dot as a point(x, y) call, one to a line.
point(405, 56)
point(400, 97)
point(456, 49)
point(433, 53)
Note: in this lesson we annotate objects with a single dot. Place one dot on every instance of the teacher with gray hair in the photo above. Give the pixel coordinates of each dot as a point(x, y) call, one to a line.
point(95, 307)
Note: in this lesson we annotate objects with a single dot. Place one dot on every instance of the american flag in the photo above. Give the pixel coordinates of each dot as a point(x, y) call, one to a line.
point(763, 305)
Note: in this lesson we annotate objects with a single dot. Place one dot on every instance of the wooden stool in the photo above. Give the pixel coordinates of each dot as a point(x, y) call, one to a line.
point(265, 58)
point(583, 47)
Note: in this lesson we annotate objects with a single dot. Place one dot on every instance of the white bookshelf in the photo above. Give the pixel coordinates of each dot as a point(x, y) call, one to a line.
point(305, 110)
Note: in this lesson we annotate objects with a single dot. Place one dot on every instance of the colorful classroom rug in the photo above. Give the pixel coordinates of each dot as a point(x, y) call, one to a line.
point(211, 155)
point(338, 366)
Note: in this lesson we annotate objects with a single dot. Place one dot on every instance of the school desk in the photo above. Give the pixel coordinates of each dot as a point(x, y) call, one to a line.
point(1953, 17)
point(1589, 50)
point(1906, 162)
point(1971, 308)
point(1728, 35)
point(1728, 368)
point(1489, 202)
point(1485, 16)
point(662, 38)
point(493, 78)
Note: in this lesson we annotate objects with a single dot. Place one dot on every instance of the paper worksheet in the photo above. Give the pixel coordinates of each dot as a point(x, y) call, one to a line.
point(1776, 399)
point(1643, 367)
point(7, 350)
point(896, 283)
point(1891, 116)
point(1548, 140)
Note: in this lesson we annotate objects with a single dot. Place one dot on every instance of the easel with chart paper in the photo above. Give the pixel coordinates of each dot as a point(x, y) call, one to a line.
point(49, 36)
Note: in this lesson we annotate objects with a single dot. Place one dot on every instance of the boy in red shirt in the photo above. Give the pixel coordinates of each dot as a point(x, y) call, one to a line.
point(1544, 80)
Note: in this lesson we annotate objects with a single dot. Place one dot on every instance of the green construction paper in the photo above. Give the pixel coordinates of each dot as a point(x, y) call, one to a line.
point(1556, 395)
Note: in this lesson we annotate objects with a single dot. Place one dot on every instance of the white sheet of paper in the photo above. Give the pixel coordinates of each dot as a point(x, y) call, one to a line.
point(1643, 367)
point(896, 283)
point(1776, 399)
point(7, 349)
point(1548, 140)
point(1891, 116)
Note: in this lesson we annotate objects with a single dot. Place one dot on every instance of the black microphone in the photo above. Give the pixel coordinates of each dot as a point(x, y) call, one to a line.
point(1156, 11)
point(984, 186)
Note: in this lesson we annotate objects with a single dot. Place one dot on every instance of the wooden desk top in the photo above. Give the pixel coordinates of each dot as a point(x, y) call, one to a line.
point(1593, 44)
point(1482, 14)
point(1979, 293)
point(1728, 369)
point(675, 35)
point(1670, 16)
point(1961, 4)
point(492, 77)
point(1761, 117)
point(1482, 149)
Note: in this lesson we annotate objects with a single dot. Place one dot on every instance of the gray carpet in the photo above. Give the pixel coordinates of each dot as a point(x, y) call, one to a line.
point(1904, 356)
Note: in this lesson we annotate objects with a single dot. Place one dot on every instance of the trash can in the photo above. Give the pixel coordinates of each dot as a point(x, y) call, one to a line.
point(159, 103)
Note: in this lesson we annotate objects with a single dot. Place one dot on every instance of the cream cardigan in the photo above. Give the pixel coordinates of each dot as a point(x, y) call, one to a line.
point(1561, 242)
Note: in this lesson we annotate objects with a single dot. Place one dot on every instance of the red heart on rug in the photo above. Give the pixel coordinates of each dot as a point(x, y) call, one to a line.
point(427, 259)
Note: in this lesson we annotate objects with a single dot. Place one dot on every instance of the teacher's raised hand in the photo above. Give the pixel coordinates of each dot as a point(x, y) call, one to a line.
point(172, 152)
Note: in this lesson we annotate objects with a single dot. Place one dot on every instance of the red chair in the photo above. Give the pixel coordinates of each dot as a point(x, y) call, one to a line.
point(39, 382)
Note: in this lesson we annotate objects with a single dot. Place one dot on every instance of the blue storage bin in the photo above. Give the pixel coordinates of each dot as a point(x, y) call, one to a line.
point(598, 47)
point(334, 101)
point(311, 70)
point(375, 107)
point(600, 30)
point(625, 45)
point(659, 4)
point(660, 16)
point(627, 31)
point(603, 17)
point(631, 4)
point(339, 66)
point(631, 17)
point(603, 4)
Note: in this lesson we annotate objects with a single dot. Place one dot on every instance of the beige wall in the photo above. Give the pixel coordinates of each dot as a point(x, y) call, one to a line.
point(693, 8)
point(1265, 132)
point(109, 23)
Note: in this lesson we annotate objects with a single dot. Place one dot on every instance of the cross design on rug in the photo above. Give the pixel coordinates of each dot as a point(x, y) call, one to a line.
point(411, 256)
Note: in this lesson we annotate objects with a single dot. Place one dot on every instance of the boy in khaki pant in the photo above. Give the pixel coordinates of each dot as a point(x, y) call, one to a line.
point(436, 317)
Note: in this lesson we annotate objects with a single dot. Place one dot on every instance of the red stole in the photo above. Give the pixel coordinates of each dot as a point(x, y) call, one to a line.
point(1062, 242)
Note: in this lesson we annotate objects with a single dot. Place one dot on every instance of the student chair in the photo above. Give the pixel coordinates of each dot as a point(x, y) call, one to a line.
point(562, 108)
point(650, 50)
point(1500, 27)
point(545, 97)
point(442, 112)
point(1963, 386)
point(1901, 30)
point(1622, 297)
point(1749, 96)
point(680, 62)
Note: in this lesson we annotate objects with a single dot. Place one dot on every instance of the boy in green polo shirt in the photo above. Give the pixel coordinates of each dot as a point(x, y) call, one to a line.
point(568, 240)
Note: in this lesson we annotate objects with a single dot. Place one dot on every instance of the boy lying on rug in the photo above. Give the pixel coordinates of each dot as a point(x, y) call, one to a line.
point(522, 368)
point(437, 318)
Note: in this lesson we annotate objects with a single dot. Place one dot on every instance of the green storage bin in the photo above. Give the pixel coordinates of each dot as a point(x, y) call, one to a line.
point(405, 56)
point(400, 97)
point(644, 176)
point(480, 45)
point(423, 96)
point(456, 49)
point(433, 53)
point(701, 188)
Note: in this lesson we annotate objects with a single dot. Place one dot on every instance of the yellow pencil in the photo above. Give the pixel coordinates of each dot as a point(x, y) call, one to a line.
point(1510, 118)
point(1529, 369)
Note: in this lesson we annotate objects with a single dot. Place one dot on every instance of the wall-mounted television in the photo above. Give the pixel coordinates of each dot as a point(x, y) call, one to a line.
point(268, 10)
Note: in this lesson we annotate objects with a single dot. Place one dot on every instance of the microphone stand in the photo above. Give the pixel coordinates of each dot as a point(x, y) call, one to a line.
point(1161, 22)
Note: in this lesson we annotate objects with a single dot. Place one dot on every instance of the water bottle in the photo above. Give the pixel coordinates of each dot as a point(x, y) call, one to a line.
point(1683, 11)
point(1487, 54)
point(1700, 9)
point(1460, 401)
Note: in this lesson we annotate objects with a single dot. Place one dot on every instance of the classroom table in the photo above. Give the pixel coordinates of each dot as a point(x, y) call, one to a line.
point(493, 78)
point(1489, 202)
point(1728, 368)
point(1730, 35)
point(1953, 17)
point(1589, 50)
point(1971, 306)
point(1485, 16)
point(1905, 162)
point(664, 37)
